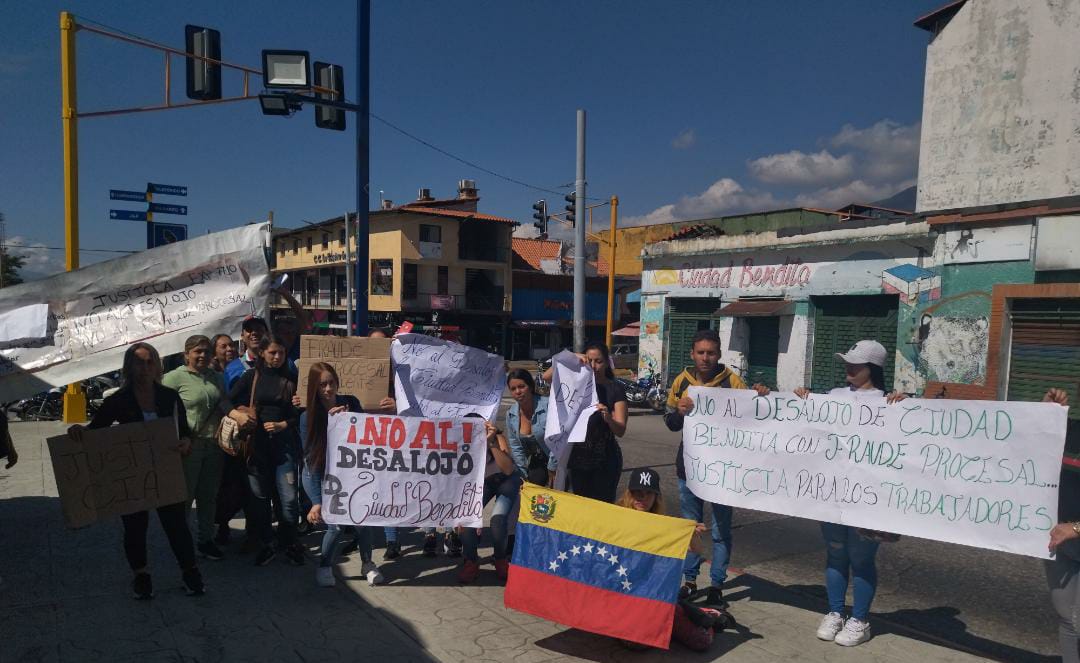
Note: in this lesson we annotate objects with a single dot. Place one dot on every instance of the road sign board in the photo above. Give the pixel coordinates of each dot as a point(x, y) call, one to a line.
point(160, 234)
point(127, 215)
point(119, 194)
point(169, 209)
point(166, 189)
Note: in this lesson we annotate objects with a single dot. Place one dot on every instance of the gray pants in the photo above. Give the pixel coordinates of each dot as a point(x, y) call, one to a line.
point(1063, 578)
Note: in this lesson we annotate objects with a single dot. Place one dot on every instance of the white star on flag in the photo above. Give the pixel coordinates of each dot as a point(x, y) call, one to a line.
point(576, 550)
point(601, 551)
point(553, 565)
point(562, 556)
point(622, 570)
point(626, 585)
point(588, 548)
point(613, 559)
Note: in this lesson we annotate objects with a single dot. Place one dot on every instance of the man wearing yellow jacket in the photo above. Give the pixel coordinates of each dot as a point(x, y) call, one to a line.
point(707, 371)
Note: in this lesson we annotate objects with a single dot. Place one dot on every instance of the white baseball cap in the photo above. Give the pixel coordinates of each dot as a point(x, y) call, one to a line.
point(865, 352)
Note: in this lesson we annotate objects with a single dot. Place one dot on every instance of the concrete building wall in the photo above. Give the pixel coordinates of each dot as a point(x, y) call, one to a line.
point(1001, 105)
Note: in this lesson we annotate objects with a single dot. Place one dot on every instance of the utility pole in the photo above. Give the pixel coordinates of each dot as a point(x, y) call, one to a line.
point(348, 279)
point(363, 132)
point(579, 238)
point(611, 269)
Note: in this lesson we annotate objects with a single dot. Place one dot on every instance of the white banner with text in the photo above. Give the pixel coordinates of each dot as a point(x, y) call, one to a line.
point(978, 473)
point(404, 471)
point(437, 378)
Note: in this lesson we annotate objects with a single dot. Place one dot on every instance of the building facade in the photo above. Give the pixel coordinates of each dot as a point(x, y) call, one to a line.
point(438, 264)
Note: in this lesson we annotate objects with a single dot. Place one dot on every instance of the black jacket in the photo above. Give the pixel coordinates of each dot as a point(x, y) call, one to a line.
point(122, 408)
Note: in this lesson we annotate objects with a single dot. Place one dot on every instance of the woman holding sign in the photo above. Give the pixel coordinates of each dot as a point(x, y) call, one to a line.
point(323, 400)
point(851, 551)
point(596, 463)
point(271, 456)
point(142, 397)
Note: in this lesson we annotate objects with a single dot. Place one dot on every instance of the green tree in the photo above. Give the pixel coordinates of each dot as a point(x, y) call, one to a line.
point(9, 268)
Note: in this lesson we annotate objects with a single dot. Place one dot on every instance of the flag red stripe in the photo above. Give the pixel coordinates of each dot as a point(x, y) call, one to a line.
point(589, 608)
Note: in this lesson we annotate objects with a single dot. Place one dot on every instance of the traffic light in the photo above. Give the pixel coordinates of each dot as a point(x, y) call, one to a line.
point(541, 217)
point(333, 77)
point(203, 78)
point(571, 207)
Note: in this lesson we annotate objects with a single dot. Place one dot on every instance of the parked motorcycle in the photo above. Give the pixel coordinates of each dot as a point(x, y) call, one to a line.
point(635, 394)
point(542, 386)
point(655, 393)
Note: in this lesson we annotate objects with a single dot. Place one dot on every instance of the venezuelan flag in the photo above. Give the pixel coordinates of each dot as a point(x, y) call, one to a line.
point(596, 566)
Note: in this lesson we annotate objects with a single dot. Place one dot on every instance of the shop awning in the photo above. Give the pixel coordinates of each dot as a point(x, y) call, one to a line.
point(757, 308)
point(632, 329)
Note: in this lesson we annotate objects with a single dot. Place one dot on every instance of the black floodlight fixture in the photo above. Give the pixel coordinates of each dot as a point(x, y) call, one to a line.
point(276, 104)
point(286, 69)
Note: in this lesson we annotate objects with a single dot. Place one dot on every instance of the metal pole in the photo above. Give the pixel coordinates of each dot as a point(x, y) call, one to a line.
point(74, 398)
point(363, 128)
point(579, 238)
point(611, 268)
point(348, 278)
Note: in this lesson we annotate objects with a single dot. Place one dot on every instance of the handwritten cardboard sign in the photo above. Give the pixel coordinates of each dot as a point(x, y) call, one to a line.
point(362, 365)
point(117, 470)
point(437, 378)
point(410, 471)
point(979, 473)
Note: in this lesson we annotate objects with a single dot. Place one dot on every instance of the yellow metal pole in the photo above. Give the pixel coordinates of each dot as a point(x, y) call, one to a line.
point(611, 267)
point(74, 398)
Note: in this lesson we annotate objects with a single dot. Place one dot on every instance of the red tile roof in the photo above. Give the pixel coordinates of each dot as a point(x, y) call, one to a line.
point(528, 252)
point(456, 214)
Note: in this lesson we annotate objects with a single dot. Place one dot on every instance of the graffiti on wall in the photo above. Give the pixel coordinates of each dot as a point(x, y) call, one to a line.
point(651, 344)
point(914, 284)
point(986, 244)
point(954, 349)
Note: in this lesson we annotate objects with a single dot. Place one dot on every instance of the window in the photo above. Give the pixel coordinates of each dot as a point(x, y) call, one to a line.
point(382, 277)
point(325, 241)
point(409, 281)
point(295, 246)
point(444, 280)
point(341, 237)
point(431, 234)
point(309, 243)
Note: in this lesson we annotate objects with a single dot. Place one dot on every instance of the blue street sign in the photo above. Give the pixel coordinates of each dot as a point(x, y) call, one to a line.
point(119, 194)
point(168, 209)
point(127, 215)
point(166, 189)
point(160, 234)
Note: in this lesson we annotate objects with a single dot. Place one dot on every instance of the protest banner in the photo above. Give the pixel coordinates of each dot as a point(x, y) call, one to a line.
point(205, 285)
point(437, 378)
point(979, 473)
point(407, 471)
point(117, 470)
point(362, 365)
point(570, 404)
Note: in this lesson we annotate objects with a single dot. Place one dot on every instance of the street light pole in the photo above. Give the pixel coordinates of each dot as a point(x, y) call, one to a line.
point(579, 238)
point(363, 134)
point(348, 278)
point(74, 398)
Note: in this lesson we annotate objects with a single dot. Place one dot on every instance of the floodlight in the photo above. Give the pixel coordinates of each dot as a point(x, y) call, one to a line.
point(274, 104)
point(286, 69)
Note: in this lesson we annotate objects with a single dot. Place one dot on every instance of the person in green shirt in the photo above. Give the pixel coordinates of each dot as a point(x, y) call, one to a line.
point(202, 391)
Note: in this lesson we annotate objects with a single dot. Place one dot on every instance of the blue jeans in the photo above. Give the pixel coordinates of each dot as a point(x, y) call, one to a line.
point(693, 508)
point(391, 534)
point(848, 553)
point(311, 483)
point(504, 490)
point(262, 478)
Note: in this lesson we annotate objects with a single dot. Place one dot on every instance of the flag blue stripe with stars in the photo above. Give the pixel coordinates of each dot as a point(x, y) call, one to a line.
point(598, 564)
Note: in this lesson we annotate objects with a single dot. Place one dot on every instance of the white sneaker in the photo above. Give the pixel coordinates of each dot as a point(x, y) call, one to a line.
point(831, 624)
point(371, 571)
point(854, 633)
point(324, 576)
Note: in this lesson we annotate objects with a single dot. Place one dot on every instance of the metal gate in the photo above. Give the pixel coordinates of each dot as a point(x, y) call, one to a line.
point(840, 322)
point(685, 317)
point(1045, 349)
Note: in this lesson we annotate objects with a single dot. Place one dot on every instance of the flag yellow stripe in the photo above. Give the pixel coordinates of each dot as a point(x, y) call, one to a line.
point(600, 521)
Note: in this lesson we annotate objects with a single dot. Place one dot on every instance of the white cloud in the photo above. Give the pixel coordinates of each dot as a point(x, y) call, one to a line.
point(857, 191)
point(802, 169)
point(725, 196)
point(40, 262)
point(685, 140)
point(886, 150)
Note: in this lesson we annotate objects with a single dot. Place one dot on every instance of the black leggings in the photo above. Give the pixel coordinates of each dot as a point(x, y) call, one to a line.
point(173, 519)
point(601, 483)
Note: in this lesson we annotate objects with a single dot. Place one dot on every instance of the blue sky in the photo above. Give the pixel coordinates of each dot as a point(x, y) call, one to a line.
point(695, 109)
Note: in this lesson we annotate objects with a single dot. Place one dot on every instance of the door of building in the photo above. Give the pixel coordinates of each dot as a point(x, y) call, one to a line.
point(686, 316)
point(763, 351)
point(839, 323)
point(1045, 349)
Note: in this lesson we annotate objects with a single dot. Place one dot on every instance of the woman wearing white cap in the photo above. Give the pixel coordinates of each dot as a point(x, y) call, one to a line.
point(851, 551)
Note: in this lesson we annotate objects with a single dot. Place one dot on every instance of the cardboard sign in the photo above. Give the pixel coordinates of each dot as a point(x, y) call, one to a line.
point(118, 470)
point(979, 473)
point(408, 471)
point(362, 365)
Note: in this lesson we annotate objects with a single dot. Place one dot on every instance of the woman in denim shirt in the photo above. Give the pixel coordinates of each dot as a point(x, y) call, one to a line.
point(525, 434)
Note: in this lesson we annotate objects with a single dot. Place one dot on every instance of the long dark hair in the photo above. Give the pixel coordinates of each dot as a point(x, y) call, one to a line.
point(127, 370)
point(317, 416)
point(265, 342)
point(524, 376)
point(602, 348)
point(877, 377)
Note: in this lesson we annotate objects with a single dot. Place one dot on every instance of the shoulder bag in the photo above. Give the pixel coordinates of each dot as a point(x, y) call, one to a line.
point(231, 438)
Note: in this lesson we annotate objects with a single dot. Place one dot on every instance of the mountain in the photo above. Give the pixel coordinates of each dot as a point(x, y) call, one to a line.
point(903, 201)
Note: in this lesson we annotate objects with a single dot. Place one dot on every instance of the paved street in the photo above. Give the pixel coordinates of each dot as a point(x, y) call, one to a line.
point(64, 596)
